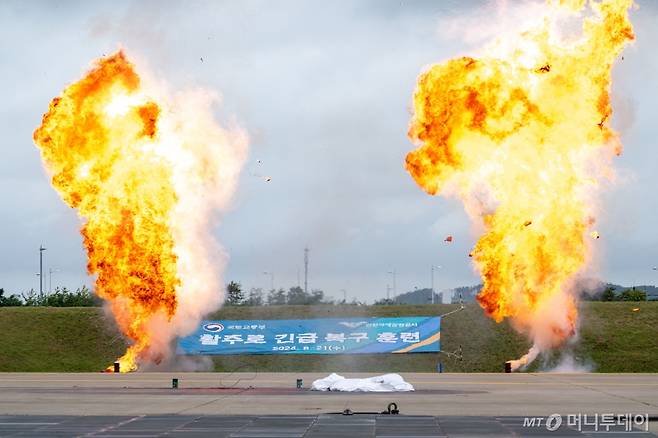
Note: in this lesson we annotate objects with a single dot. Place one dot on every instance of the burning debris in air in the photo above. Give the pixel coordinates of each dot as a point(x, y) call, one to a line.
point(145, 170)
point(518, 135)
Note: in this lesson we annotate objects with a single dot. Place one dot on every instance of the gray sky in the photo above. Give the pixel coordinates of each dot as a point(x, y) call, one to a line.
point(324, 90)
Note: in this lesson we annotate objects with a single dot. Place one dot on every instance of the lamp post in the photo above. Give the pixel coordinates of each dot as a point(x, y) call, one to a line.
point(41, 250)
point(432, 285)
point(271, 274)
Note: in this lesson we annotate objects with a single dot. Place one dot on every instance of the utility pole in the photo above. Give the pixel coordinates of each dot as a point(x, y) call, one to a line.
point(41, 250)
point(306, 270)
point(395, 289)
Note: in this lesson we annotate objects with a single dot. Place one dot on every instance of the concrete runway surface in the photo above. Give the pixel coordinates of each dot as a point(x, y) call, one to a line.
point(475, 402)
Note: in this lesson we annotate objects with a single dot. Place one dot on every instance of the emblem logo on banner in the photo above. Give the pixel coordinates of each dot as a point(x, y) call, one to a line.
point(213, 327)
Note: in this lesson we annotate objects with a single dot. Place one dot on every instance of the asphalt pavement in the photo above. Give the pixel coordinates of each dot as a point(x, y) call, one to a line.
point(270, 404)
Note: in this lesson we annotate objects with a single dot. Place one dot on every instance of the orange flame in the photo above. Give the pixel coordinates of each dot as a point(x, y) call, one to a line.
point(521, 135)
point(118, 155)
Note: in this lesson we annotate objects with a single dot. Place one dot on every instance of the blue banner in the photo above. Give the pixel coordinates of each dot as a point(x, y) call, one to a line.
point(418, 334)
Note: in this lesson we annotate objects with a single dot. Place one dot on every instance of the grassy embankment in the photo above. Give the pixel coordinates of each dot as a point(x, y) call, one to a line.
point(613, 339)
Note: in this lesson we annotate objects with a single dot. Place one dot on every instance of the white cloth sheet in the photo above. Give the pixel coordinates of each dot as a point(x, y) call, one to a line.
point(383, 383)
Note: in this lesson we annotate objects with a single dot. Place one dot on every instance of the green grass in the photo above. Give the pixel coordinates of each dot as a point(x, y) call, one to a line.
point(617, 339)
point(57, 339)
point(612, 338)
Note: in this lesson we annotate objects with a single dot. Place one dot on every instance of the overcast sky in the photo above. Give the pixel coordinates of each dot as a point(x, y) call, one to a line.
point(324, 90)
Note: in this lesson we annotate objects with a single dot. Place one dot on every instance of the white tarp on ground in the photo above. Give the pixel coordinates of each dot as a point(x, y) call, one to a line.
point(383, 383)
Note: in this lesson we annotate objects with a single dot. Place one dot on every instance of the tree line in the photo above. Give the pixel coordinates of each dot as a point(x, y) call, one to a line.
point(83, 297)
point(61, 297)
point(610, 294)
point(275, 297)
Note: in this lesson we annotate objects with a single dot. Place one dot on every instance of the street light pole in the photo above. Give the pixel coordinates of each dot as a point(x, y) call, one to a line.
point(41, 250)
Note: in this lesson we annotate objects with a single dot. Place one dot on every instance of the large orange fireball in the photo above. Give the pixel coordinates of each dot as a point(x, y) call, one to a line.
point(521, 134)
point(144, 170)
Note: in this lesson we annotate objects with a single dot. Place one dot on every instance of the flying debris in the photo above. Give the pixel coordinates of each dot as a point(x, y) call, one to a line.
point(265, 178)
point(544, 69)
point(527, 223)
point(636, 309)
point(448, 239)
point(595, 235)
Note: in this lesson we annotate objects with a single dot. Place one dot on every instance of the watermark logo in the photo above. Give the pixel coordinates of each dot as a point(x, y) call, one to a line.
point(592, 423)
point(213, 327)
point(553, 422)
